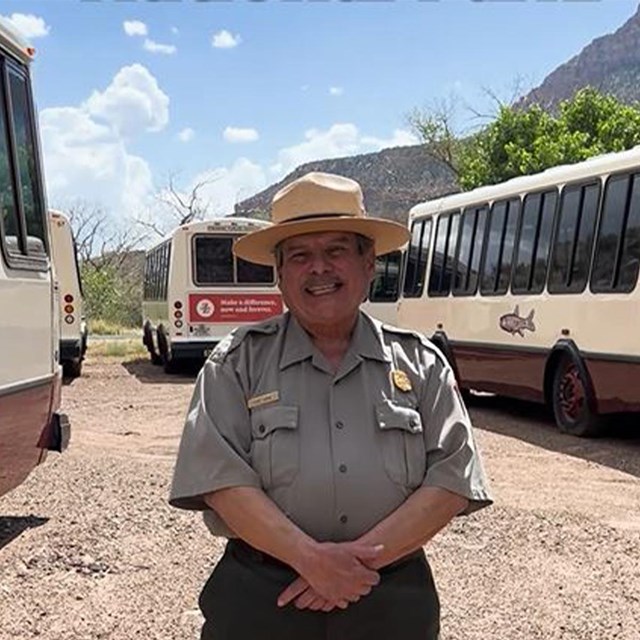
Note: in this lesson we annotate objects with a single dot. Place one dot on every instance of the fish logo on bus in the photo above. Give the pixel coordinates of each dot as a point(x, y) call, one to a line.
point(514, 323)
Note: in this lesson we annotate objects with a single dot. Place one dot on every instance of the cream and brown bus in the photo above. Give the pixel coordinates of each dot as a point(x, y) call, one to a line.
point(30, 376)
point(530, 287)
point(196, 291)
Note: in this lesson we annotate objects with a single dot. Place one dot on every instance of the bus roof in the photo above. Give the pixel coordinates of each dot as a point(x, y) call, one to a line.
point(228, 224)
point(562, 174)
point(13, 42)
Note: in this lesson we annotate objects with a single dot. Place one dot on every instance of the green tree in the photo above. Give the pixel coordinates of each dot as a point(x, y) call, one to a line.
point(521, 141)
point(525, 141)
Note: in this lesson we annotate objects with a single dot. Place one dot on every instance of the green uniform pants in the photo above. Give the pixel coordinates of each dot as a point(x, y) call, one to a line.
point(239, 603)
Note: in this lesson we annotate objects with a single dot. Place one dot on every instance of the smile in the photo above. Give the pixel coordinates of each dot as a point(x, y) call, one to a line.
point(323, 290)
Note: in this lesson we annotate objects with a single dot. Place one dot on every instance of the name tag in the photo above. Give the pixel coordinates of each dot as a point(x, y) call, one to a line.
point(267, 398)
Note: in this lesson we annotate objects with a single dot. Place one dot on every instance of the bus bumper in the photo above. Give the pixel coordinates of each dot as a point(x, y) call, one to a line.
point(195, 350)
point(60, 433)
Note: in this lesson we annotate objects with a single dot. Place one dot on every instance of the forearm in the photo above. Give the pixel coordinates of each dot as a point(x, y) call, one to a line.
point(413, 524)
point(255, 518)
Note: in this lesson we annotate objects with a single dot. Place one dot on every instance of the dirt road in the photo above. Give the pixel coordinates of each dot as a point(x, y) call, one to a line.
point(90, 549)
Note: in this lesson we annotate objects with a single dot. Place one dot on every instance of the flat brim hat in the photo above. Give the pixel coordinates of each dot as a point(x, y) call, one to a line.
point(314, 203)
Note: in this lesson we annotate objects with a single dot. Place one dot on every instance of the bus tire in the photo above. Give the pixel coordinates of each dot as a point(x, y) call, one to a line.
point(572, 399)
point(168, 362)
point(72, 368)
point(147, 341)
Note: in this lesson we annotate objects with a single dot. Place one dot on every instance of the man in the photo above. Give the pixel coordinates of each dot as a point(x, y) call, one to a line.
point(327, 447)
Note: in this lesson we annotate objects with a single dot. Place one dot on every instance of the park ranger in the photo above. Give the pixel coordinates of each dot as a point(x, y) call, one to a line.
point(327, 447)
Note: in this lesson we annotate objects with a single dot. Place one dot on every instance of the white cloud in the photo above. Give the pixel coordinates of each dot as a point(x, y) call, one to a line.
point(132, 103)
point(28, 25)
point(175, 31)
point(89, 161)
point(236, 134)
point(156, 47)
point(336, 91)
point(186, 134)
point(337, 141)
point(400, 138)
point(135, 28)
point(223, 187)
point(225, 40)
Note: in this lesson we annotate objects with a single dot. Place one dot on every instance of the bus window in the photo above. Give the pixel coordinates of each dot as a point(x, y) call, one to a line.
point(417, 258)
point(534, 239)
point(386, 283)
point(469, 251)
point(26, 156)
point(615, 265)
point(496, 269)
point(251, 273)
point(443, 255)
point(213, 260)
point(571, 255)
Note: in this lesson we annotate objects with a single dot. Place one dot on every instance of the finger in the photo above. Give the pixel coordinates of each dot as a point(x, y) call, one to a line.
point(305, 600)
point(368, 552)
point(298, 586)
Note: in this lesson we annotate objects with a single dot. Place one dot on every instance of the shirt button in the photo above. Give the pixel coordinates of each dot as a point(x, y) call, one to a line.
point(343, 519)
point(261, 428)
point(342, 468)
point(339, 425)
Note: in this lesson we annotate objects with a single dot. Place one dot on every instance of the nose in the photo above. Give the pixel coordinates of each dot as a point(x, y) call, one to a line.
point(319, 263)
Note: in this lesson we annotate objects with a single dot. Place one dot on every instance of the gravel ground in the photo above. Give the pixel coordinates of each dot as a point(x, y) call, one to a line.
point(90, 549)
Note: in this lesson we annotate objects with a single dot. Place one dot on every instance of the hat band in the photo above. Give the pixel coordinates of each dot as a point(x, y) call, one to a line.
point(312, 216)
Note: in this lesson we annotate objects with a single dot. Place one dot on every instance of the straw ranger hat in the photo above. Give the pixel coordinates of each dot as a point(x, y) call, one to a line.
point(318, 202)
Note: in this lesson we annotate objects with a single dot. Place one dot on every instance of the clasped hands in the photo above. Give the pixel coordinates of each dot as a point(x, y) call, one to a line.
point(333, 575)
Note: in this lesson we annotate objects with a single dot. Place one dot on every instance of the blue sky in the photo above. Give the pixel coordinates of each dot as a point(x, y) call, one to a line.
point(239, 93)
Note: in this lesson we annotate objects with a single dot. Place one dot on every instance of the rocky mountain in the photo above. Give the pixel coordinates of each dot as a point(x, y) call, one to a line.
point(610, 64)
point(393, 180)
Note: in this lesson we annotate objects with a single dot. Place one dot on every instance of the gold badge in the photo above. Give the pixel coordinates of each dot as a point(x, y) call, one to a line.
point(267, 398)
point(401, 380)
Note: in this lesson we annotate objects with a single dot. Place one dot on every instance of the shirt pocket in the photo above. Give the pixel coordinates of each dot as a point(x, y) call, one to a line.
point(402, 443)
point(275, 450)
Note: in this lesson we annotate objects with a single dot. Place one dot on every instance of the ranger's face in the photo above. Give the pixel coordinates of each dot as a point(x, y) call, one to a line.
point(324, 278)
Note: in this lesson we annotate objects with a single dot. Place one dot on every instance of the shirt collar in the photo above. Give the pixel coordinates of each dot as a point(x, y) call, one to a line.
point(366, 341)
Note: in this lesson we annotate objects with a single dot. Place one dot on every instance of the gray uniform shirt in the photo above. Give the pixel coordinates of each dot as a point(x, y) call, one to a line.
point(336, 452)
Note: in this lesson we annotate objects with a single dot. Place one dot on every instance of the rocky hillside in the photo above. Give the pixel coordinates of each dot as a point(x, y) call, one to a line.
point(610, 64)
point(393, 180)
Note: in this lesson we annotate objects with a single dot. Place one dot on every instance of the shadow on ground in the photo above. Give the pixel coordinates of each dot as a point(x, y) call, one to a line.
point(145, 372)
point(618, 448)
point(12, 526)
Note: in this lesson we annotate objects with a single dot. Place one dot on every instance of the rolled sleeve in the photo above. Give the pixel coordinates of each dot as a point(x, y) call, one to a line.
point(214, 450)
point(453, 459)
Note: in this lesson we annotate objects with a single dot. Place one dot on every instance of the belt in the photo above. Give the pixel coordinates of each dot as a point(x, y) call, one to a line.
point(244, 551)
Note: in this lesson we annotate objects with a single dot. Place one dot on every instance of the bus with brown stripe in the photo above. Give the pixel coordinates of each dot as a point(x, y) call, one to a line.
point(530, 287)
point(30, 376)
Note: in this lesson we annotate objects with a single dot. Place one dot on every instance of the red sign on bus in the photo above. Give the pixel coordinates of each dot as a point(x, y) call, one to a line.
point(233, 307)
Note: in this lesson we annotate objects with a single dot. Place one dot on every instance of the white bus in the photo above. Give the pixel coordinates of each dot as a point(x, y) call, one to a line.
point(196, 291)
point(73, 327)
point(530, 287)
point(30, 376)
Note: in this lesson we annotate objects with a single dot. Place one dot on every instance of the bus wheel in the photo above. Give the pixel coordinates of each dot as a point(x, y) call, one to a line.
point(72, 368)
point(572, 402)
point(168, 363)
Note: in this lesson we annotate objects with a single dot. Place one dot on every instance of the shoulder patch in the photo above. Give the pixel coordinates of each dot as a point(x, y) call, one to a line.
point(234, 339)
